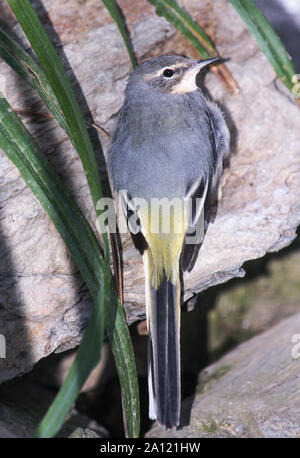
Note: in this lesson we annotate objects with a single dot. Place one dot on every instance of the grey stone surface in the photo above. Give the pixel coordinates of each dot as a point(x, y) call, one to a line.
point(44, 304)
point(253, 391)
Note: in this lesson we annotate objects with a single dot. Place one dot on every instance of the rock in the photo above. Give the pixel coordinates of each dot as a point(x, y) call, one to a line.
point(253, 391)
point(81, 433)
point(44, 303)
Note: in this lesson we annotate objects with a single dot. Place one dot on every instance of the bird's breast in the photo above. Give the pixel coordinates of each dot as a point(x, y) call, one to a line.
point(161, 147)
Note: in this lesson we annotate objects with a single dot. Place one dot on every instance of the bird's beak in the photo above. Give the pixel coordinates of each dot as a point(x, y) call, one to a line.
point(203, 63)
point(197, 66)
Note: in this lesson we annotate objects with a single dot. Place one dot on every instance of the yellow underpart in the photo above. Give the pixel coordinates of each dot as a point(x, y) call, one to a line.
point(164, 232)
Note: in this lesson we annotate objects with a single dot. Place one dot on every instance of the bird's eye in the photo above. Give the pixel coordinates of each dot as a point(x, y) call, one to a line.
point(168, 72)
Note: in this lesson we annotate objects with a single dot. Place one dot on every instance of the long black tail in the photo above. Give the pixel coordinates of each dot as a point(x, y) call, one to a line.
point(163, 313)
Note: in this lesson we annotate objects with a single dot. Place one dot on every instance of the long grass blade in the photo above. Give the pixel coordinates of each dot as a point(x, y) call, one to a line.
point(64, 93)
point(117, 15)
point(122, 351)
point(267, 40)
point(76, 129)
point(21, 149)
point(183, 22)
point(54, 86)
point(25, 66)
point(80, 369)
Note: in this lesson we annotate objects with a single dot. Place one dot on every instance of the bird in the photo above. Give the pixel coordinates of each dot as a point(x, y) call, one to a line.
point(169, 147)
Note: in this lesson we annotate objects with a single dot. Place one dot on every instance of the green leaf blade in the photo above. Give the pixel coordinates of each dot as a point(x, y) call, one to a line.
point(80, 369)
point(64, 99)
point(267, 40)
point(64, 94)
point(123, 355)
point(183, 22)
point(21, 149)
point(23, 64)
point(116, 14)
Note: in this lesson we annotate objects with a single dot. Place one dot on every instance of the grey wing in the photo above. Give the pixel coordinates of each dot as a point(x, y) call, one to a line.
point(221, 138)
point(197, 219)
point(200, 193)
point(133, 223)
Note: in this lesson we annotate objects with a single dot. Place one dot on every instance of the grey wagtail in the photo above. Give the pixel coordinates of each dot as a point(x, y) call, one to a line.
point(169, 146)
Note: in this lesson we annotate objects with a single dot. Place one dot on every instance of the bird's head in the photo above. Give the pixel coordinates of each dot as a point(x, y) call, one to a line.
point(169, 74)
